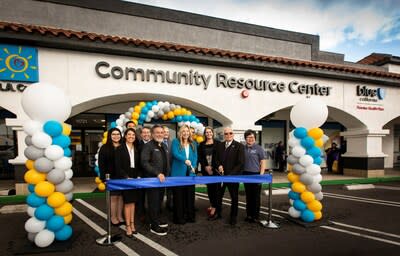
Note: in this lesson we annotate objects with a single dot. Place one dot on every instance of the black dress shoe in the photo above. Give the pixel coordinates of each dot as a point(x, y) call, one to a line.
point(129, 235)
point(232, 221)
point(215, 216)
point(249, 219)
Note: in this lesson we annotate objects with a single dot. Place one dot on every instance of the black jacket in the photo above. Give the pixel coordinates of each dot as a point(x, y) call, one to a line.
point(152, 159)
point(202, 156)
point(232, 159)
point(123, 163)
point(106, 161)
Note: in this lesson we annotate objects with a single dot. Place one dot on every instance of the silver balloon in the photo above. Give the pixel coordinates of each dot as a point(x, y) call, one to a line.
point(160, 113)
point(294, 213)
point(28, 140)
point(128, 115)
point(65, 186)
point(69, 196)
point(56, 176)
point(68, 174)
point(31, 236)
point(306, 179)
point(130, 109)
point(33, 153)
point(43, 164)
point(298, 169)
point(31, 211)
point(315, 188)
point(319, 196)
point(313, 169)
point(292, 160)
point(317, 178)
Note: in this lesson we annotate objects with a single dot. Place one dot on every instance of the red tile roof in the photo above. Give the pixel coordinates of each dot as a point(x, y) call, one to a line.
point(82, 35)
point(374, 58)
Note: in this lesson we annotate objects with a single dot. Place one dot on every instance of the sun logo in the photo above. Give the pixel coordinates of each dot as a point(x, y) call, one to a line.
point(18, 63)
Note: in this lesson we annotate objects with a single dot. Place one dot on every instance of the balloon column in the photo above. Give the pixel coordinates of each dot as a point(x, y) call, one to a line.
point(49, 164)
point(304, 160)
point(145, 112)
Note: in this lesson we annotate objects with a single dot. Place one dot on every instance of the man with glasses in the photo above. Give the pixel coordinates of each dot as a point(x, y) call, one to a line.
point(254, 163)
point(155, 163)
point(229, 161)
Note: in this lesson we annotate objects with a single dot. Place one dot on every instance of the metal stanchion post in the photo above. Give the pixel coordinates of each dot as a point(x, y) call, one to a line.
point(108, 239)
point(269, 223)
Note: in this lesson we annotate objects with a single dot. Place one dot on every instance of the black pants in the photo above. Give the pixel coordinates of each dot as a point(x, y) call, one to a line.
point(253, 191)
point(233, 189)
point(212, 191)
point(183, 206)
point(154, 204)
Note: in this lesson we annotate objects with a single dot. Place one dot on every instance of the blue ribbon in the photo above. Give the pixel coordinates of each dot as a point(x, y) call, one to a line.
point(124, 184)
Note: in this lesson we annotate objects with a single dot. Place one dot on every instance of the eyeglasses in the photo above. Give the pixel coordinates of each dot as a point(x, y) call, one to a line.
point(228, 133)
point(115, 134)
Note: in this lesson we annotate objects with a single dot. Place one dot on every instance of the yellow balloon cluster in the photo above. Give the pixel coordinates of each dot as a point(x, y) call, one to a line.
point(34, 177)
point(44, 188)
point(64, 210)
point(56, 199)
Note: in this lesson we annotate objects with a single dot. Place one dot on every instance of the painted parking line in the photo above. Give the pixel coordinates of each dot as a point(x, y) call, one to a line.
point(362, 199)
point(140, 237)
point(123, 247)
point(387, 187)
point(204, 197)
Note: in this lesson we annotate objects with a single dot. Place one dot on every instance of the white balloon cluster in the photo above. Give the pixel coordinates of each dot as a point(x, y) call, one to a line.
point(49, 164)
point(304, 160)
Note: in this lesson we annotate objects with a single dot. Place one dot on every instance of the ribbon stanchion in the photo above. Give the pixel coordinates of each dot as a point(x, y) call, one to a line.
point(269, 223)
point(123, 184)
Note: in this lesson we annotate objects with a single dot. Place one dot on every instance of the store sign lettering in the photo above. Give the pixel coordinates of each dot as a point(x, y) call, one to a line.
point(10, 87)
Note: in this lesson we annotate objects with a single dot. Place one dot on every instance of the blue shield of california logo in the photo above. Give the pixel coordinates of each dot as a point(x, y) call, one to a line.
point(18, 63)
point(381, 93)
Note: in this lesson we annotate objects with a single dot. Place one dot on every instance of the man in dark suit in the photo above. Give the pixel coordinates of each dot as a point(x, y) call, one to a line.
point(229, 161)
point(155, 163)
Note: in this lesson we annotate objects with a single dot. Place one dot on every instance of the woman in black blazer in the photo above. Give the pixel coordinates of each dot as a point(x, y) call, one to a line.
point(127, 167)
point(107, 165)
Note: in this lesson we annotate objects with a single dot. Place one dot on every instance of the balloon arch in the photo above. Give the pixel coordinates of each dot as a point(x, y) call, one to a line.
point(147, 111)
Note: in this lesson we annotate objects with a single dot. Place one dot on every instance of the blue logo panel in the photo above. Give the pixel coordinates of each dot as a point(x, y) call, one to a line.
point(19, 63)
point(381, 93)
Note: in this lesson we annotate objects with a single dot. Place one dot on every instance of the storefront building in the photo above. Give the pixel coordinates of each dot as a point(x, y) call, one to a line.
point(109, 56)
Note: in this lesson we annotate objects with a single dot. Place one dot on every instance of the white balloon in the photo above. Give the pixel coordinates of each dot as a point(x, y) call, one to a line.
point(317, 178)
point(148, 119)
point(298, 169)
point(293, 142)
point(315, 188)
point(63, 163)
point(201, 130)
point(306, 160)
point(119, 121)
point(150, 114)
point(172, 107)
point(294, 213)
point(31, 211)
point(167, 103)
point(44, 238)
point(65, 186)
point(160, 104)
point(319, 196)
point(34, 225)
point(166, 109)
point(298, 151)
point(313, 169)
point(292, 160)
point(325, 138)
point(32, 126)
point(56, 176)
point(160, 113)
point(309, 113)
point(122, 116)
point(31, 236)
point(181, 123)
point(69, 196)
point(41, 140)
point(119, 127)
point(96, 156)
point(45, 102)
point(54, 152)
point(306, 179)
point(193, 124)
point(68, 174)
point(130, 110)
point(155, 108)
point(128, 115)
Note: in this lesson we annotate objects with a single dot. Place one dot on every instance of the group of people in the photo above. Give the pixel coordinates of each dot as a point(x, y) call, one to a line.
point(154, 155)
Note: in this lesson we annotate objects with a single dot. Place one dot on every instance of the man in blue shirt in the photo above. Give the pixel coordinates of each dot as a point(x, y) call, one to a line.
point(254, 163)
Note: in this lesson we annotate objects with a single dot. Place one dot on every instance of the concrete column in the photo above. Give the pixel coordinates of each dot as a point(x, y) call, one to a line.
point(21, 187)
point(364, 156)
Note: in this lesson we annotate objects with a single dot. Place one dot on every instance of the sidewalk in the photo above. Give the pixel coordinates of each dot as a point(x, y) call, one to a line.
point(87, 184)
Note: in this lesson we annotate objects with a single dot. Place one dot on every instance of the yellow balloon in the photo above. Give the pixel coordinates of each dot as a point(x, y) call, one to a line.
point(194, 136)
point(66, 129)
point(183, 111)
point(135, 116)
point(315, 133)
point(64, 209)
point(199, 139)
point(104, 141)
point(29, 164)
point(171, 115)
point(188, 112)
point(135, 121)
point(314, 206)
point(101, 186)
point(68, 219)
point(97, 180)
point(34, 177)
point(165, 117)
point(290, 167)
point(298, 187)
point(142, 104)
point(292, 177)
point(318, 215)
point(56, 199)
point(138, 109)
point(44, 188)
point(319, 143)
point(177, 112)
point(105, 134)
point(307, 196)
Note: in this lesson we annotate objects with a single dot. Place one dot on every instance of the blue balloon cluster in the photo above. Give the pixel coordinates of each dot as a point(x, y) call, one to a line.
point(309, 144)
point(54, 129)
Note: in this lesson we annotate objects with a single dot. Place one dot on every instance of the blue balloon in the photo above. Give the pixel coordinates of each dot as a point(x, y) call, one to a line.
point(299, 205)
point(192, 118)
point(34, 200)
point(173, 119)
point(67, 152)
point(142, 117)
point(300, 132)
point(62, 141)
point(293, 195)
point(113, 124)
point(307, 216)
point(52, 128)
point(144, 110)
point(55, 223)
point(307, 142)
point(149, 105)
point(31, 188)
point(96, 169)
point(314, 152)
point(185, 118)
point(179, 119)
point(64, 233)
point(154, 102)
point(44, 212)
point(197, 120)
point(317, 160)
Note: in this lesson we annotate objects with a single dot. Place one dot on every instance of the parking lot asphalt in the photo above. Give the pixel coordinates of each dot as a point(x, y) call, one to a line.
point(360, 222)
